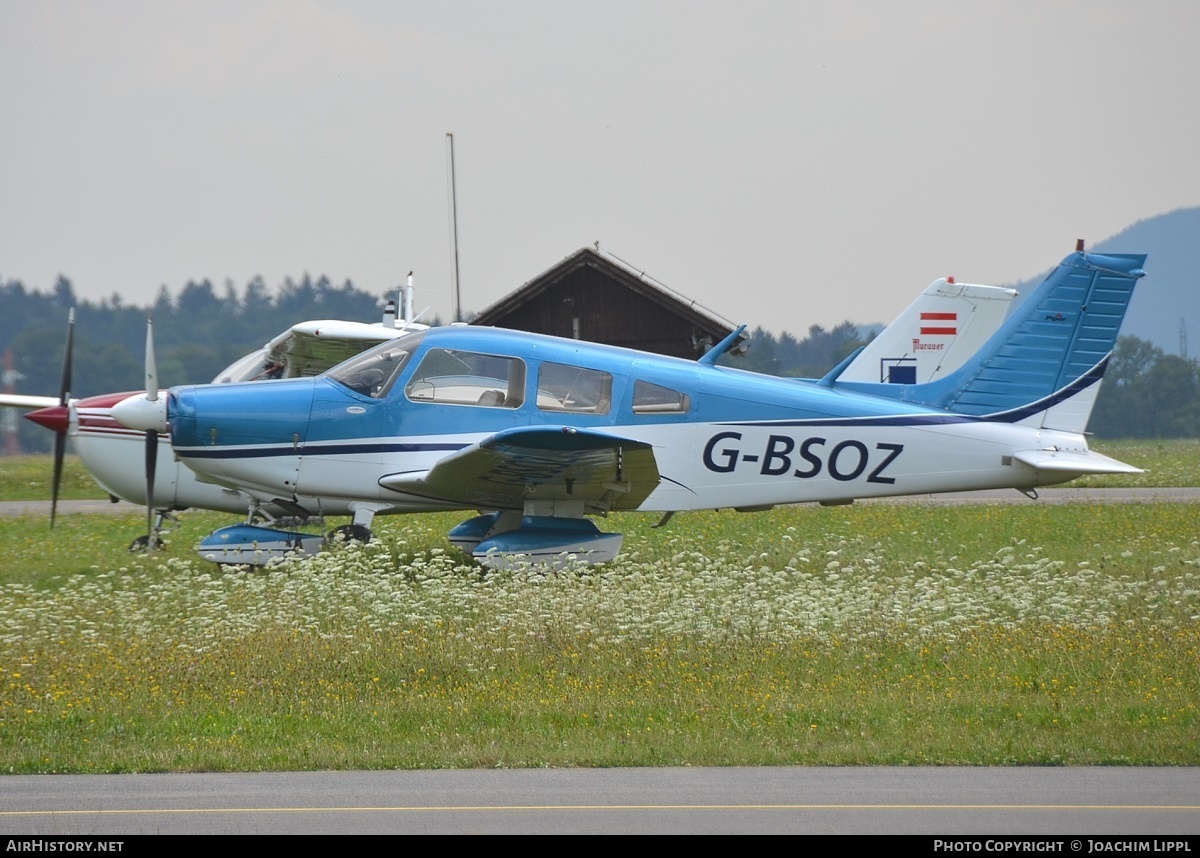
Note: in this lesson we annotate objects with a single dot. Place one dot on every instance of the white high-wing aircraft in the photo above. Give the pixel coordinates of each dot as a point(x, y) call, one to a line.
point(537, 433)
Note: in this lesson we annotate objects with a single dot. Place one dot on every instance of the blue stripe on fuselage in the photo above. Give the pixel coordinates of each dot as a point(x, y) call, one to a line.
point(904, 420)
point(313, 449)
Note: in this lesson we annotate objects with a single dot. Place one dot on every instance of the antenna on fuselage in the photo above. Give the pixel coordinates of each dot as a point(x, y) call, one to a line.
point(710, 357)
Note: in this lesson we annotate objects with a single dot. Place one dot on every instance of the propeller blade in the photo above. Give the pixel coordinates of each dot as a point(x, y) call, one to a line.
point(60, 448)
point(64, 389)
point(151, 434)
point(151, 366)
point(64, 397)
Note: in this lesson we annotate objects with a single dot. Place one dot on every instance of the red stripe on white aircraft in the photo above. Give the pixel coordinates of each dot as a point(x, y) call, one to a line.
point(939, 330)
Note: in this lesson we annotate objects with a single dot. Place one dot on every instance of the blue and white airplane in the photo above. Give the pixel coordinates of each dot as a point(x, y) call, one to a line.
point(537, 433)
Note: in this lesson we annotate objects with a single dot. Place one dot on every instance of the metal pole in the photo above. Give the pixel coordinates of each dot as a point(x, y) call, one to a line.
point(454, 222)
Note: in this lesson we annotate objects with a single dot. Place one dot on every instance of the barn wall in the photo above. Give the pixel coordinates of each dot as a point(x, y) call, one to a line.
point(608, 312)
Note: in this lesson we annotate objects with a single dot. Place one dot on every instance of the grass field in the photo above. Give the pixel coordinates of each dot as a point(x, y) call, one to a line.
point(983, 635)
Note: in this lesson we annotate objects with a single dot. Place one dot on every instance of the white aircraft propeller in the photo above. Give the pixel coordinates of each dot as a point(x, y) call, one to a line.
point(151, 433)
point(148, 413)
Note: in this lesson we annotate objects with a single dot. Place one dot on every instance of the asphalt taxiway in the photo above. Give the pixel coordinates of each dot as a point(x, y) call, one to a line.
point(1041, 801)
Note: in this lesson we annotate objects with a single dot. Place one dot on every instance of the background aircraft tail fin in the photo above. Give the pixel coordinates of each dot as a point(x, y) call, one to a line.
point(934, 335)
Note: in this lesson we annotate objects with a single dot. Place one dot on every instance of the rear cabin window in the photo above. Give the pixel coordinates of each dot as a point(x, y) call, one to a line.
point(562, 387)
point(453, 377)
point(655, 399)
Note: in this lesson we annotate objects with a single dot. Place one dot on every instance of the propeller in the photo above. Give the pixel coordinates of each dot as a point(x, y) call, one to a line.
point(146, 412)
point(64, 397)
point(151, 434)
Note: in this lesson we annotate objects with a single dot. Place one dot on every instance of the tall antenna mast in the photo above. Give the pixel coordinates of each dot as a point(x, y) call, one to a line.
point(454, 232)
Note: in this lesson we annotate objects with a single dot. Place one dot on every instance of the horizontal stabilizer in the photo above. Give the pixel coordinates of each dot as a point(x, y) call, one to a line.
point(248, 544)
point(537, 540)
point(1074, 462)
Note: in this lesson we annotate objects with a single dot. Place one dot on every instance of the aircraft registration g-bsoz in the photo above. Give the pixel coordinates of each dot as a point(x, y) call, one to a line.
point(537, 433)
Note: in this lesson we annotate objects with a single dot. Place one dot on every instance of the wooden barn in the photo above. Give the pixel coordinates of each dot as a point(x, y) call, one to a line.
point(592, 296)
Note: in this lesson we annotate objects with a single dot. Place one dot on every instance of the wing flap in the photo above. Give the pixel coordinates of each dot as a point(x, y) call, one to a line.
point(505, 470)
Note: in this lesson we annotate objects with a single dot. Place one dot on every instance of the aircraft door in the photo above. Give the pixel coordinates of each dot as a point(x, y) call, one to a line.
point(349, 438)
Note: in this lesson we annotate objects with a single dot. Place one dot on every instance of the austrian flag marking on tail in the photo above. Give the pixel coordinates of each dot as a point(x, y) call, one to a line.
point(935, 324)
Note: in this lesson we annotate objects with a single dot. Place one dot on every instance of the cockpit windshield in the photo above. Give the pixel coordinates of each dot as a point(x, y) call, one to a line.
point(373, 372)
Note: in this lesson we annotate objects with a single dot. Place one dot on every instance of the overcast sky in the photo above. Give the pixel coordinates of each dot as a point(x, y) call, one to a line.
point(783, 163)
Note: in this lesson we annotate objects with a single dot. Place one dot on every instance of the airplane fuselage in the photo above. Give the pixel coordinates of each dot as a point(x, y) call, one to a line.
point(720, 437)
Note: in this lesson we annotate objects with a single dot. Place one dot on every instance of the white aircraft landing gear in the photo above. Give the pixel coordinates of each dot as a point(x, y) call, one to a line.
point(142, 541)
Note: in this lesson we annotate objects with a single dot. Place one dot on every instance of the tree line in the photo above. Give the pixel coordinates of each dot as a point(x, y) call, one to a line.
point(200, 331)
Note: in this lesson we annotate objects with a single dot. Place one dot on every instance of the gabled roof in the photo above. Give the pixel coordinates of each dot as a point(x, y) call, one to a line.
point(638, 282)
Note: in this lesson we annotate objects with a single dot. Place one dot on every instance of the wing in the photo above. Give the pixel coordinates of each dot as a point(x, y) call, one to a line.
point(18, 400)
point(539, 463)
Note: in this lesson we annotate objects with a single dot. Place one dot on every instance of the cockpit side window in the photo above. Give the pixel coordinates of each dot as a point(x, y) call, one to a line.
point(373, 372)
point(573, 389)
point(455, 377)
point(649, 398)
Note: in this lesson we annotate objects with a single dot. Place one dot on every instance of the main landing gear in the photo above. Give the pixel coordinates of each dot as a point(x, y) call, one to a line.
point(349, 533)
point(359, 530)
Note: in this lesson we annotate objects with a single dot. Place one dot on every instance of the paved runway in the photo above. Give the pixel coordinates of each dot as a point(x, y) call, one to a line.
point(1094, 801)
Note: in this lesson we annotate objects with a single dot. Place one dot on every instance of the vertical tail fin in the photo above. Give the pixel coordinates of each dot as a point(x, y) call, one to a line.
point(1044, 364)
point(1061, 335)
